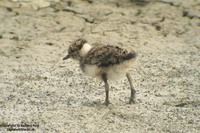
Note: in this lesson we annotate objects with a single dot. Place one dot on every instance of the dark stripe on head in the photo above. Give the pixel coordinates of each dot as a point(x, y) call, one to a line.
point(75, 47)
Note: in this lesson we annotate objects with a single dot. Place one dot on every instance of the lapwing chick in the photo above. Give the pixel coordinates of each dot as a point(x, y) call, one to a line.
point(105, 62)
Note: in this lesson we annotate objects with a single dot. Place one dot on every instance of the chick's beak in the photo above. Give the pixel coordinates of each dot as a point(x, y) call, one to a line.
point(66, 57)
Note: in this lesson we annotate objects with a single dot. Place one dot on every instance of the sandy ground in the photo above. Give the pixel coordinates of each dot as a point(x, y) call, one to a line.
point(37, 87)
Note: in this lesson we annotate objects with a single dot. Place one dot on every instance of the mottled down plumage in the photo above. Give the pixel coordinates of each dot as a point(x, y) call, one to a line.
point(105, 62)
point(105, 56)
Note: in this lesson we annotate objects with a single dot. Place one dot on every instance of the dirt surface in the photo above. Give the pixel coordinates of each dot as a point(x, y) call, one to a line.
point(38, 87)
